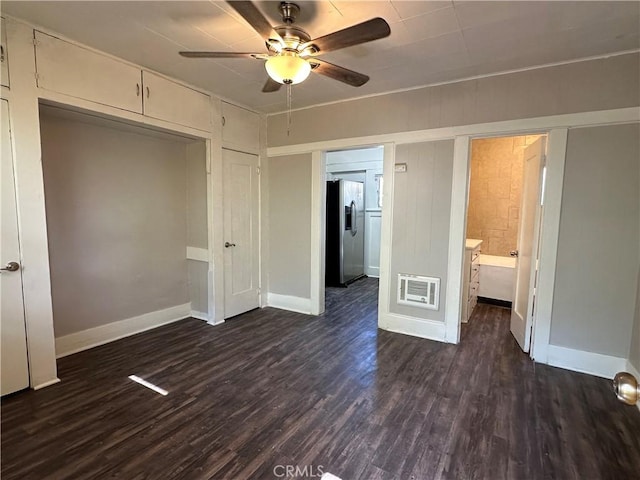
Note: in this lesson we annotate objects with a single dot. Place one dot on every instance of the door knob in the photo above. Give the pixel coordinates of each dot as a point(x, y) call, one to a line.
point(11, 267)
point(227, 244)
point(514, 253)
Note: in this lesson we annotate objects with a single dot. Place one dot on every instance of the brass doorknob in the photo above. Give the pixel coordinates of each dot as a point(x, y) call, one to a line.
point(11, 267)
point(626, 387)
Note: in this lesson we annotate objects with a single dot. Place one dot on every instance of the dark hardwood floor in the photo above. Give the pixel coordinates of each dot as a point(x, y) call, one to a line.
point(271, 388)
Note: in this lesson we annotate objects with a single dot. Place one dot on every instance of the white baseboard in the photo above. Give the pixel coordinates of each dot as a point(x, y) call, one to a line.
point(288, 302)
point(93, 337)
point(605, 366)
point(47, 384)
point(200, 315)
point(415, 327)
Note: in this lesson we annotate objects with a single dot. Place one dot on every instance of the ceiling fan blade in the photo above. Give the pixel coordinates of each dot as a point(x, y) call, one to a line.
point(223, 55)
point(363, 32)
point(254, 17)
point(341, 74)
point(271, 86)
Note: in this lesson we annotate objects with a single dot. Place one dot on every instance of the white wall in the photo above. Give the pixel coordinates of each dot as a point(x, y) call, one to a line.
point(116, 213)
point(578, 87)
point(289, 226)
point(421, 215)
point(598, 256)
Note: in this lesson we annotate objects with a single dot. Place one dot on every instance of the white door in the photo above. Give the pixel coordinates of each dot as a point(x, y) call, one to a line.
point(241, 254)
point(14, 367)
point(528, 233)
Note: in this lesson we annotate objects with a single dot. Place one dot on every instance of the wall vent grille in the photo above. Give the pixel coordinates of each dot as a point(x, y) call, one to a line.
point(419, 291)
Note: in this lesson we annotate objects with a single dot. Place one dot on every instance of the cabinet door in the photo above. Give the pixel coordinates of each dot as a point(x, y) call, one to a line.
point(4, 58)
point(76, 71)
point(240, 128)
point(170, 101)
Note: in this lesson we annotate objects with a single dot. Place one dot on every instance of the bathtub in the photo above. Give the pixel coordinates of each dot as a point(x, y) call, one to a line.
point(497, 275)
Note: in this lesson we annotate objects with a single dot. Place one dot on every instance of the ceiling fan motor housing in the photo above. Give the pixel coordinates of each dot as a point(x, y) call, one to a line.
point(289, 12)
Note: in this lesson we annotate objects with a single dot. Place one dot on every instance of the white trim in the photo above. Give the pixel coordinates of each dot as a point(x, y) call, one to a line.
point(47, 384)
point(290, 303)
point(457, 229)
point(416, 327)
point(93, 337)
point(466, 79)
point(68, 102)
point(318, 214)
point(386, 235)
point(198, 254)
point(199, 315)
point(548, 248)
point(505, 127)
point(605, 366)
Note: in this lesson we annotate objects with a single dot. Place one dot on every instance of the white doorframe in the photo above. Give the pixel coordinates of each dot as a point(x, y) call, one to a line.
point(384, 285)
point(318, 223)
point(549, 230)
point(457, 236)
point(318, 226)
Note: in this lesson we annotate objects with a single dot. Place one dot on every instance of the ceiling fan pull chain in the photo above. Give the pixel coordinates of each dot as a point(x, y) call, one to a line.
point(288, 109)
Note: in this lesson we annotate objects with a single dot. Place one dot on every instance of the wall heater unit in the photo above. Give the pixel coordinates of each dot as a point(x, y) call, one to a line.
point(418, 291)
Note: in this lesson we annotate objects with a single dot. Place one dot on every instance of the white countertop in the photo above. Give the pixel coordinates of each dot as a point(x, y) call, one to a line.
point(472, 243)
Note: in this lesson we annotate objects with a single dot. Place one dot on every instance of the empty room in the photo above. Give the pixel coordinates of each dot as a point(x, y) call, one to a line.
point(345, 240)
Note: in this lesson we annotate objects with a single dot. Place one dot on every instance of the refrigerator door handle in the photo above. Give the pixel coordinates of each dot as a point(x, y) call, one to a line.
point(354, 218)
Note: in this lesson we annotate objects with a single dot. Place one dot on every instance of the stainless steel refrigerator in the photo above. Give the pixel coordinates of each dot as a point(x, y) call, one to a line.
point(345, 232)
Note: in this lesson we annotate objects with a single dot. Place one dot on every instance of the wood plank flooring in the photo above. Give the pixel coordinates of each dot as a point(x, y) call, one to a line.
point(271, 389)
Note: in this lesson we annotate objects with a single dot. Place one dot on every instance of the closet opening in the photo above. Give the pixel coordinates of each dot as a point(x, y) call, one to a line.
point(504, 213)
point(127, 226)
point(354, 185)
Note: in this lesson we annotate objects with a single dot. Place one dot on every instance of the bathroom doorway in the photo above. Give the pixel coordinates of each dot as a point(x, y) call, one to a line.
point(504, 211)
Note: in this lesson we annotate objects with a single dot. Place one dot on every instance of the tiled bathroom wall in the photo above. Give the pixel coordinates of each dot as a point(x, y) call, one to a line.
point(495, 192)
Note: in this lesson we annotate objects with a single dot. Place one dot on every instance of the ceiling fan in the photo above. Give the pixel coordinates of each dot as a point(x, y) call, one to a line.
point(292, 54)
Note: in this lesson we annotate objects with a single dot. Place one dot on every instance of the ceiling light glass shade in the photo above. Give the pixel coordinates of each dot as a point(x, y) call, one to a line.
point(288, 69)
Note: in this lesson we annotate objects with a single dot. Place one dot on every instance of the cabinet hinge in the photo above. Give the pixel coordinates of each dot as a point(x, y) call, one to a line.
point(258, 170)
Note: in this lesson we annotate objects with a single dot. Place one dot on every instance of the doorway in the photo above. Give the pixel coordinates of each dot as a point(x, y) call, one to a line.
point(352, 225)
point(504, 212)
point(128, 227)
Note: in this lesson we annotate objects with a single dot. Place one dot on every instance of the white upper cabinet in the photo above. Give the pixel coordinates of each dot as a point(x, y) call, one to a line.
point(4, 59)
point(76, 71)
point(167, 100)
point(240, 129)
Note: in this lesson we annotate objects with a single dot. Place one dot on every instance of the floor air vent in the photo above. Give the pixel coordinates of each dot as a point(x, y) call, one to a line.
point(423, 292)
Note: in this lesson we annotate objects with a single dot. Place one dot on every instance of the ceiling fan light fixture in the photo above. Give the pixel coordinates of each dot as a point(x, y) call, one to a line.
point(288, 69)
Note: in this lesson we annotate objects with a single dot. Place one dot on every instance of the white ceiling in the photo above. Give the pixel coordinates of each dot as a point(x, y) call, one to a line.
point(431, 41)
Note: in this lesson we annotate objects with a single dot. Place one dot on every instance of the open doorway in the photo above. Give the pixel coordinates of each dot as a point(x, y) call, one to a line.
point(353, 223)
point(504, 212)
point(127, 223)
